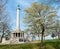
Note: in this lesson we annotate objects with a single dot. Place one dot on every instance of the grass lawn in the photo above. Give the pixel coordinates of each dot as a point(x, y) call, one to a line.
point(49, 44)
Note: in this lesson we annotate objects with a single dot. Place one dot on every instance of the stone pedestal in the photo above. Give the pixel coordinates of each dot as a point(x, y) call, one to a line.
point(3, 40)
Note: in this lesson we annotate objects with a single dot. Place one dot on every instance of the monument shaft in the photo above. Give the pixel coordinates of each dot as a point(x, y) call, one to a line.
point(18, 20)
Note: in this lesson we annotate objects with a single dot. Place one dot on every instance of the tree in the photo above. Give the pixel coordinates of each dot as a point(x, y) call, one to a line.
point(57, 28)
point(8, 35)
point(53, 35)
point(40, 15)
point(50, 1)
point(54, 3)
point(33, 29)
point(4, 18)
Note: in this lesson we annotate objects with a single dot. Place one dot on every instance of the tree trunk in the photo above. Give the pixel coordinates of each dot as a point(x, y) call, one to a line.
point(39, 36)
point(2, 37)
point(44, 37)
point(2, 33)
point(42, 34)
point(58, 37)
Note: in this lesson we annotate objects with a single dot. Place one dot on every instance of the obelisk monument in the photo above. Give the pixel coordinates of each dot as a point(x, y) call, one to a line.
point(17, 34)
point(18, 19)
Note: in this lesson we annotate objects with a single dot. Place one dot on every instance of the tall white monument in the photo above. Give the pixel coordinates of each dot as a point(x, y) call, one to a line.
point(18, 19)
point(17, 34)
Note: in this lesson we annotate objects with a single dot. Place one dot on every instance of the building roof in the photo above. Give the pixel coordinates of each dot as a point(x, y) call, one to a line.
point(17, 32)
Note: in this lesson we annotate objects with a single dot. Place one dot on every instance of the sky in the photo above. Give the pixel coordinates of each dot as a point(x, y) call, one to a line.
point(11, 7)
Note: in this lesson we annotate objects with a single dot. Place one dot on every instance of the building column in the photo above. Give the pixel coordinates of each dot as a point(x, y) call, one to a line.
point(20, 35)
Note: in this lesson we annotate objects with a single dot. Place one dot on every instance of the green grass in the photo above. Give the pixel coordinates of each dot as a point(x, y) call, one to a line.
point(49, 44)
